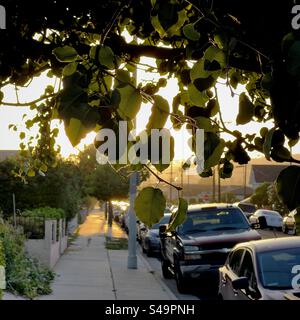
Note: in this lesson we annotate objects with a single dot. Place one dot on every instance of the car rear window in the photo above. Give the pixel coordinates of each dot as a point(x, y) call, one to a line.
point(214, 220)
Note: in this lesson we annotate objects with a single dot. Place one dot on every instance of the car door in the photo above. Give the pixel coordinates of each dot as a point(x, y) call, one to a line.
point(248, 270)
point(169, 246)
point(230, 272)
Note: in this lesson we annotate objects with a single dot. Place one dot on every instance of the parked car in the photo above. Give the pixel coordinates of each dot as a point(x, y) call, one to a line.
point(267, 219)
point(200, 245)
point(149, 237)
point(260, 270)
point(247, 208)
point(139, 227)
point(289, 223)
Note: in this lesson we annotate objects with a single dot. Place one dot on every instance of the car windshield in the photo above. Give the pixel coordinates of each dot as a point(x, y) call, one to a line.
point(275, 268)
point(214, 220)
point(247, 207)
point(164, 220)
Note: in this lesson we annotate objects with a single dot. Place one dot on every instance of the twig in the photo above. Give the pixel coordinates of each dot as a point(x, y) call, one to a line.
point(112, 22)
point(26, 104)
point(160, 179)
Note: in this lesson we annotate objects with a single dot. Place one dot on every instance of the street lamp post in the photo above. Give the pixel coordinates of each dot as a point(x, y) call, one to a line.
point(132, 258)
point(134, 179)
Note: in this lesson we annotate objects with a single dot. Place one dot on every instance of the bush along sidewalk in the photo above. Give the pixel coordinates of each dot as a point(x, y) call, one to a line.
point(2, 270)
point(46, 213)
point(24, 276)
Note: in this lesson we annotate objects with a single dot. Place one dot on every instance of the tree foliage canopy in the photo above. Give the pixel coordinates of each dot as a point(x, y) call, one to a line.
point(199, 42)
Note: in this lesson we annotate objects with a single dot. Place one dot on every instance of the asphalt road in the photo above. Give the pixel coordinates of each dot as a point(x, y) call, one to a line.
point(198, 290)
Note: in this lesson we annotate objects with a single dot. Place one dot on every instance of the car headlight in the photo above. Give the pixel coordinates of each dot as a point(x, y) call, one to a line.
point(190, 248)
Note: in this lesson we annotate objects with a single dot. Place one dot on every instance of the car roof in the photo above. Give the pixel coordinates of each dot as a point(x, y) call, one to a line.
point(198, 207)
point(271, 244)
point(267, 210)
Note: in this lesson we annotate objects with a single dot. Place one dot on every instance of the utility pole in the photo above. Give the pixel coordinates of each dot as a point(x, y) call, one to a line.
point(245, 181)
point(181, 178)
point(132, 258)
point(134, 178)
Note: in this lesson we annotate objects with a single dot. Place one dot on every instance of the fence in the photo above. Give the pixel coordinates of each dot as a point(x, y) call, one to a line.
point(33, 227)
point(49, 247)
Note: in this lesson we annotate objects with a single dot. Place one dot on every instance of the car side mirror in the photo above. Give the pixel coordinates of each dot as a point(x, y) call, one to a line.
point(162, 228)
point(240, 283)
point(255, 225)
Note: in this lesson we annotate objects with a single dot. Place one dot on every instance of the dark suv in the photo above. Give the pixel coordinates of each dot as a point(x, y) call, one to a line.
point(201, 244)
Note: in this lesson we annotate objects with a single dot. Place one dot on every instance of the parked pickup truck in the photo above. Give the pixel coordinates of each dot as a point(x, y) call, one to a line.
point(201, 244)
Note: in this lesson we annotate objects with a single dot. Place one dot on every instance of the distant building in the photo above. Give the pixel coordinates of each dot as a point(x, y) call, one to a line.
point(6, 154)
point(261, 173)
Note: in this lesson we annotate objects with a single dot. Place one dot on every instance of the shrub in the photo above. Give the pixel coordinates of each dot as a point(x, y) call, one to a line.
point(46, 213)
point(24, 275)
point(2, 263)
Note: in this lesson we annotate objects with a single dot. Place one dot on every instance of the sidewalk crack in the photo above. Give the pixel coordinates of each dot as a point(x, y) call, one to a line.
point(112, 276)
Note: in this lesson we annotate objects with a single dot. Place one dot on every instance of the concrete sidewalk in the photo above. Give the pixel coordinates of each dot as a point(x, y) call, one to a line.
point(88, 271)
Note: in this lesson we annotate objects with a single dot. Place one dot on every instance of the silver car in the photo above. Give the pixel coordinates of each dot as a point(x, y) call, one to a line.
point(262, 270)
point(267, 219)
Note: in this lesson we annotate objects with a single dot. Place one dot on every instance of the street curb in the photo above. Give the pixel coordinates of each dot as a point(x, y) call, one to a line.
point(157, 278)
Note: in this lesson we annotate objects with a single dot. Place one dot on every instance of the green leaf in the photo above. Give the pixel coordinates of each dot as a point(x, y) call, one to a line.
point(180, 215)
point(157, 26)
point(69, 69)
point(65, 54)
point(268, 143)
point(75, 131)
point(150, 205)
point(205, 124)
point(213, 150)
point(22, 135)
point(246, 110)
point(226, 170)
point(1, 96)
point(190, 32)
point(30, 173)
point(215, 54)
point(106, 57)
point(197, 97)
point(198, 71)
point(174, 29)
point(288, 186)
point(203, 84)
point(122, 78)
point(128, 101)
point(159, 113)
point(168, 20)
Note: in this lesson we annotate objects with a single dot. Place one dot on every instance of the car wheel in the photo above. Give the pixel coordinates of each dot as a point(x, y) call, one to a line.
point(167, 274)
point(180, 281)
point(149, 252)
point(143, 247)
point(262, 222)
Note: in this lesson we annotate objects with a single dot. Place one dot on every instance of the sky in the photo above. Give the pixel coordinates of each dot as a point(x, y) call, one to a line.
point(9, 139)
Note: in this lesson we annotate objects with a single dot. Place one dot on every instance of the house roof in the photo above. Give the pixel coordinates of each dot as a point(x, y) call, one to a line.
point(266, 173)
point(5, 154)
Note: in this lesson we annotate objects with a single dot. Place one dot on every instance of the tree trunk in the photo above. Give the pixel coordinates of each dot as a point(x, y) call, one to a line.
point(110, 214)
point(105, 210)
